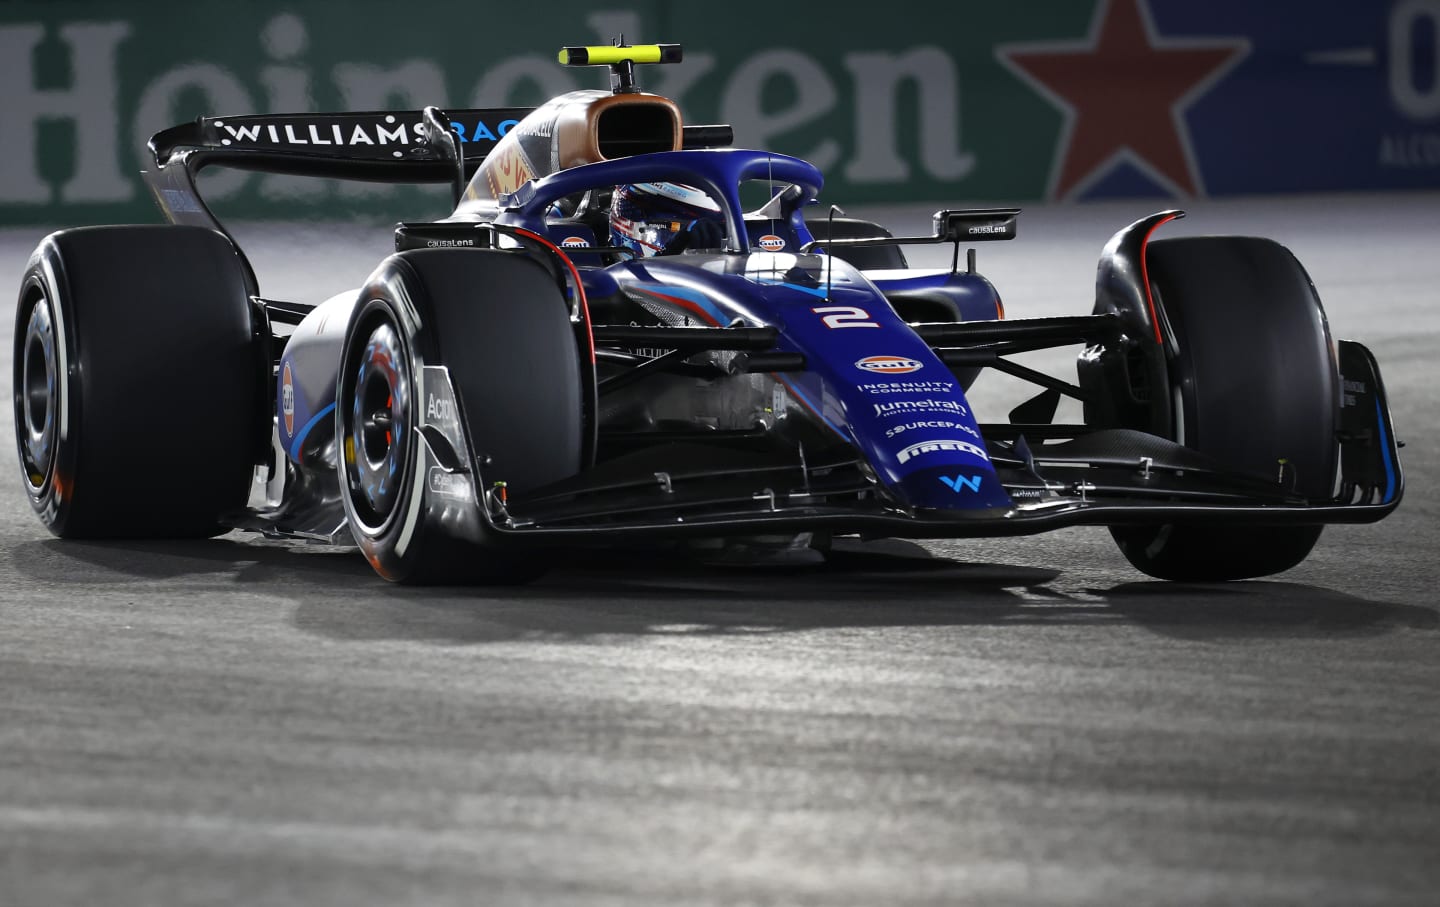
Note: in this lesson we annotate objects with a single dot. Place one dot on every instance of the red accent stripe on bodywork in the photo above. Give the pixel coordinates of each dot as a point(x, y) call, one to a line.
point(1145, 277)
point(685, 304)
point(575, 278)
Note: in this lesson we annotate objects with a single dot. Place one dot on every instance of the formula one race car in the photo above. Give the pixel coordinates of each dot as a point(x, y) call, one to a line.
point(601, 344)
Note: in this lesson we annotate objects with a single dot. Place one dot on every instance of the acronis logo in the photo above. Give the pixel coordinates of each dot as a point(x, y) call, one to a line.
point(970, 483)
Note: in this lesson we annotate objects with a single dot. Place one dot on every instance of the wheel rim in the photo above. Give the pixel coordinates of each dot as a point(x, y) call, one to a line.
point(37, 396)
point(376, 445)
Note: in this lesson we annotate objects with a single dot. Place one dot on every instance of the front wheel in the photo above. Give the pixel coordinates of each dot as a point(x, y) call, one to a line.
point(1211, 554)
point(493, 329)
point(1255, 385)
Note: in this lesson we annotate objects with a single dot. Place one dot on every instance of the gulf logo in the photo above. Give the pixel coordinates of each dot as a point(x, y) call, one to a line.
point(287, 400)
point(771, 243)
point(889, 365)
point(574, 242)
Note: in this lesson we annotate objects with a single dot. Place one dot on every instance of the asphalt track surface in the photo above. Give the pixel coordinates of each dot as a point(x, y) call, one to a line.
point(1025, 721)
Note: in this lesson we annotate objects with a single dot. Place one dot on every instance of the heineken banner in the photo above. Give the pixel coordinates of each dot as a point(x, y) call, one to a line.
point(947, 102)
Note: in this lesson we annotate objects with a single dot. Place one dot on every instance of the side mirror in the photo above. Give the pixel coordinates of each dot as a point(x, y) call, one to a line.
point(976, 224)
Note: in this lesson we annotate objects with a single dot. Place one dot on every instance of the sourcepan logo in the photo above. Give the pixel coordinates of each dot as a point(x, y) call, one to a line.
point(889, 365)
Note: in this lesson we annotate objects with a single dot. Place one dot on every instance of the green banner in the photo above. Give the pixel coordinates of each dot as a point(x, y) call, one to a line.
point(87, 84)
point(946, 102)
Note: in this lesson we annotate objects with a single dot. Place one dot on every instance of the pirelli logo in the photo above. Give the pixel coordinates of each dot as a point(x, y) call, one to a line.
point(925, 447)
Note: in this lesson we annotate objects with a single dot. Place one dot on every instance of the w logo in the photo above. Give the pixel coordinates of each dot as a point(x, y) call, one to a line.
point(969, 482)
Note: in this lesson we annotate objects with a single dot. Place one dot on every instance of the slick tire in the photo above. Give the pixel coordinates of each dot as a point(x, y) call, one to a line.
point(138, 382)
point(1256, 386)
point(499, 324)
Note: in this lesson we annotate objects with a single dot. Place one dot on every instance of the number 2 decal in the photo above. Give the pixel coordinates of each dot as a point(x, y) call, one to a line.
point(844, 316)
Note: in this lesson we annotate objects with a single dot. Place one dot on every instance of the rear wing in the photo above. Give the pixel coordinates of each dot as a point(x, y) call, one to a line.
point(398, 146)
point(384, 146)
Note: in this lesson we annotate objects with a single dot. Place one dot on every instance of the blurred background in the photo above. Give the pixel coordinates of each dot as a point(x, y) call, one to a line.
point(1021, 721)
point(1046, 100)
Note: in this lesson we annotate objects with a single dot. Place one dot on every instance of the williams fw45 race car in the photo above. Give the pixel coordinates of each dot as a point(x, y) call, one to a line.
point(601, 344)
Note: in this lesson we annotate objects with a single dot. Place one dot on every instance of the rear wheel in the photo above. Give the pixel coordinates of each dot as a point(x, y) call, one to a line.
point(1255, 385)
point(137, 382)
point(499, 325)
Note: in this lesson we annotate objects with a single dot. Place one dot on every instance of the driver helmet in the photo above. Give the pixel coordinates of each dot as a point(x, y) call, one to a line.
point(645, 217)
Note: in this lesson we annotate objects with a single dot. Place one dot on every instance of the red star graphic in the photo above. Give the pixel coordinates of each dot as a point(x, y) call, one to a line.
point(1123, 92)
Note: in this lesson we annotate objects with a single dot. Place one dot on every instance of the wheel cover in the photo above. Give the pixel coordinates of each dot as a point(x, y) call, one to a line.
point(37, 397)
point(376, 441)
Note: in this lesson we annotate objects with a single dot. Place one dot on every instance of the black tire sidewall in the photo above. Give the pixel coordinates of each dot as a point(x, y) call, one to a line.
point(468, 310)
point(1257, 378)
point(164, 381)
point(1257, 383)
point(378, 541)
point(36, 292)
point(1207, 554)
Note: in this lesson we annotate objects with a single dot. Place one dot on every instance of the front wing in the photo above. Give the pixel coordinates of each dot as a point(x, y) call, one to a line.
point(690, 487)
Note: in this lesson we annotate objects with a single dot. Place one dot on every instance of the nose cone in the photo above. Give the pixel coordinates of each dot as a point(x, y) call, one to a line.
point(956, 488)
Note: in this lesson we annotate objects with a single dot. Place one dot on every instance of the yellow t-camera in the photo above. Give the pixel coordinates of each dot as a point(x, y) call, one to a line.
point(621, 58)
point(609, 55)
